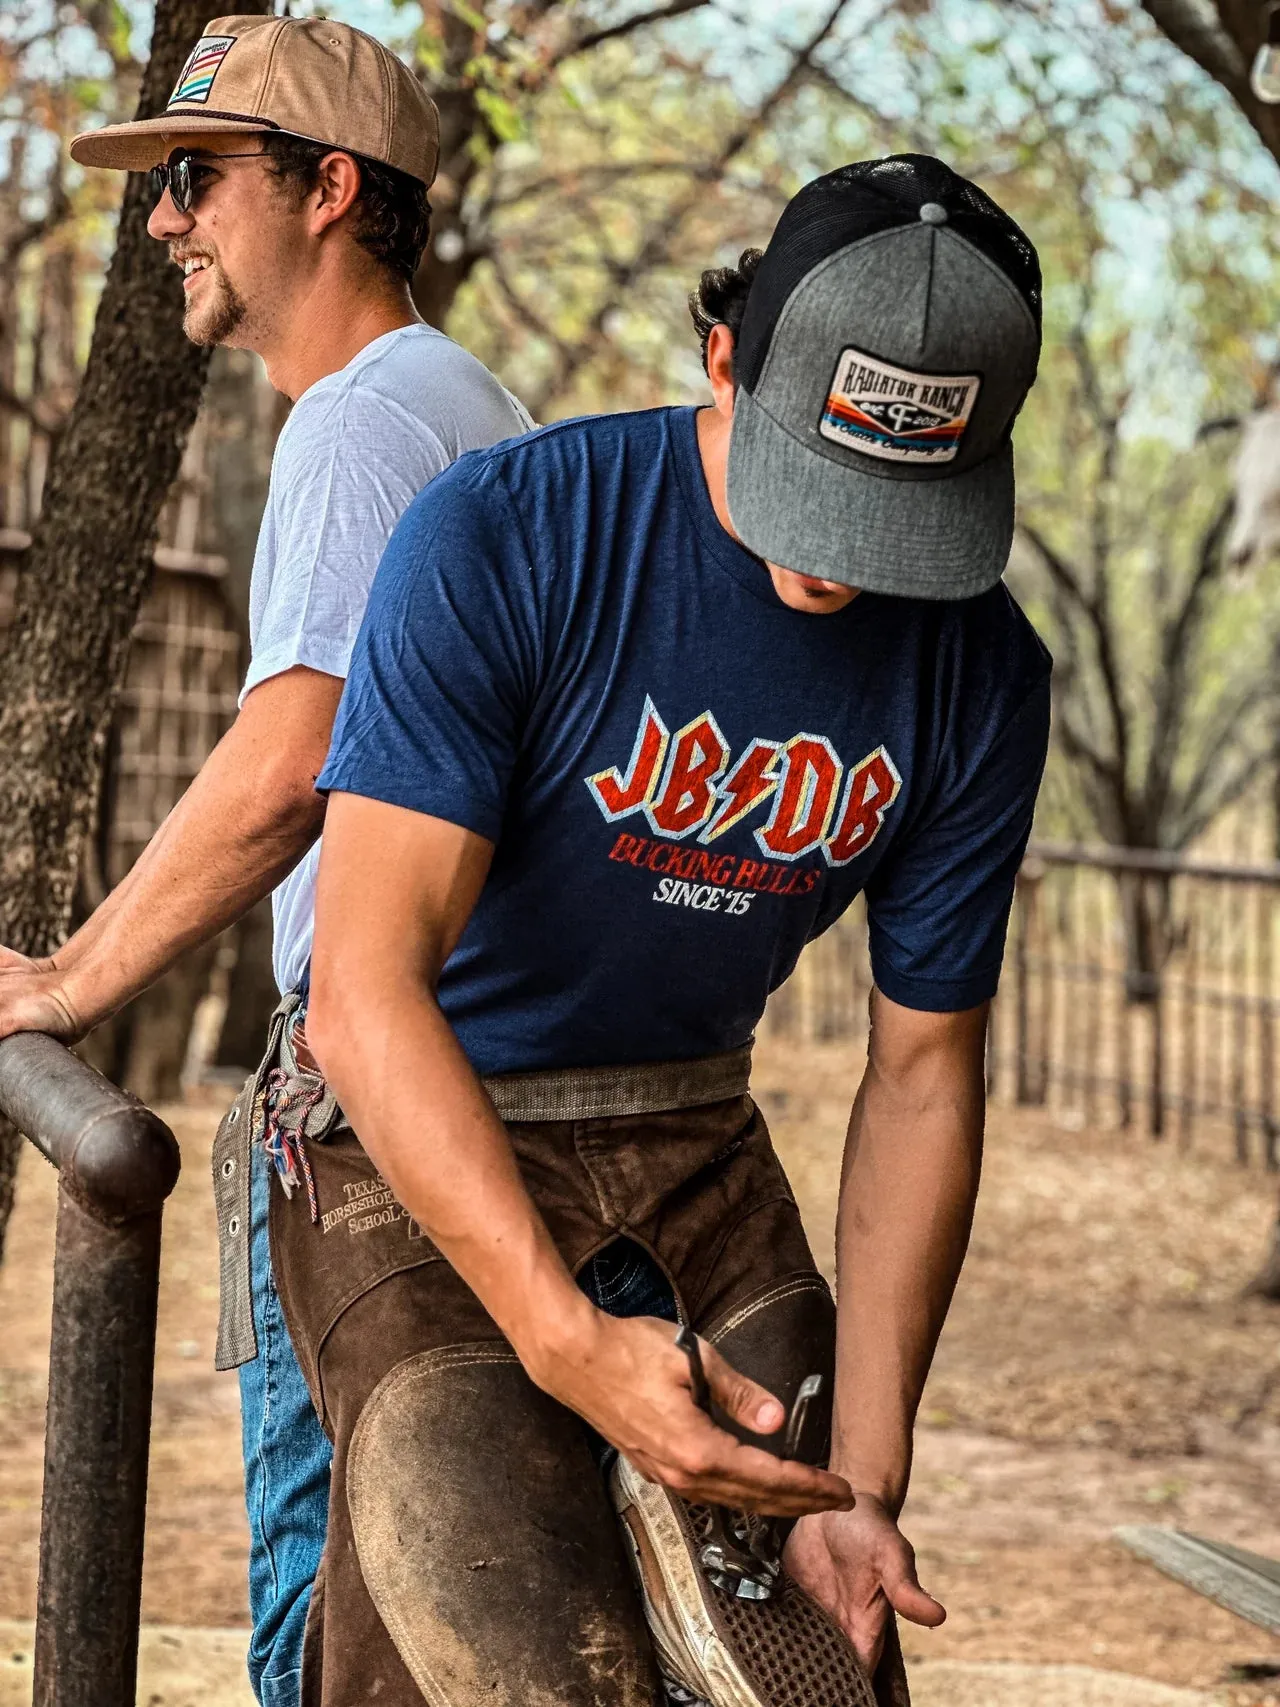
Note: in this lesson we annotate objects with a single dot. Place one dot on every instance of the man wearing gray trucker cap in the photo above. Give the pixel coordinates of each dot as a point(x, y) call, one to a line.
point(639, 705)
point(896, 468)
point(291, 170)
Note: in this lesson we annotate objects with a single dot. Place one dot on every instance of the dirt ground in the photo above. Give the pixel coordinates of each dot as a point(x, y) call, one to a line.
point(1099, 1368)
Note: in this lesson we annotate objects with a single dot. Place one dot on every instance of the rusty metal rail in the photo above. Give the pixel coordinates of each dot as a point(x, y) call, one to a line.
point(117, 1163)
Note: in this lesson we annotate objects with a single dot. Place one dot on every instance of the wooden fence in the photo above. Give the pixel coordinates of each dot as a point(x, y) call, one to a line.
point(1139, 992)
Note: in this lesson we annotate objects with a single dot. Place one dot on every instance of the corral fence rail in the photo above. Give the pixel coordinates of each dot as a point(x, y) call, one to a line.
point(1139, 993)
point(117, 1163)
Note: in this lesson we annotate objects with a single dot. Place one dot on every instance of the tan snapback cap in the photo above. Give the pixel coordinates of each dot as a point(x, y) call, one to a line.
point(310, 77)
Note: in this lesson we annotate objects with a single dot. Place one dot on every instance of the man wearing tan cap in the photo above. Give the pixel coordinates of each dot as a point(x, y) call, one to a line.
point(291, 169)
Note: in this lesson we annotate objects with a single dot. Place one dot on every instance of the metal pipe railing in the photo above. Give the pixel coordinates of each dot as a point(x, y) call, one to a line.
point(117, 1162)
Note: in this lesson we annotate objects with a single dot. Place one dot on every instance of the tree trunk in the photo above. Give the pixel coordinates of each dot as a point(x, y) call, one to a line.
point(464, 135)
point(87, 568)
point(1224, 49)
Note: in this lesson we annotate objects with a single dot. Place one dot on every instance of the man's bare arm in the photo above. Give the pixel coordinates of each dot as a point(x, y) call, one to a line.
point(395, 891)
point(910, 1180)
point(912, 1162)
point(243, 824)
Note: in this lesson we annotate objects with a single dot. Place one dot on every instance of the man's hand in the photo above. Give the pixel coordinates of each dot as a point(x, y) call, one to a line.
point(857, 1565)
point(632, 1384)
point(33, 998)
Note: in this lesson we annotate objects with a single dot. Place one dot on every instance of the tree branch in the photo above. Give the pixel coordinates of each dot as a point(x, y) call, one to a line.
point(521, 309)
point(29, 231)
point(1199, 800)
point(656, 246)
point(1221, 38)
point(559, 184)
point(1095, 610)
point(612, 32)
point(1237, 780)
point(1195, 28)
point(1177, 646)
point(1078, 744)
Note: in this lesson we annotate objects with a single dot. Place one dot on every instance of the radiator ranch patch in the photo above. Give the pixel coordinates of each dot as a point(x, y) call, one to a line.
point(897, 415)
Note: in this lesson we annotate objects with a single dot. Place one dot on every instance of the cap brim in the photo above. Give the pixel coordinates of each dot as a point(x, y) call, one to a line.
point(144, 143)
point(921, 539)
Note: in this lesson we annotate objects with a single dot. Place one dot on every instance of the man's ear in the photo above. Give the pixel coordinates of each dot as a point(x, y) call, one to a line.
point(720, 350)
point(338, 185)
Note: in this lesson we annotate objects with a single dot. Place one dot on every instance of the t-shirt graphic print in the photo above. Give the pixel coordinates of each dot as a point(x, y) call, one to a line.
point(689, 785)
point(684, 780)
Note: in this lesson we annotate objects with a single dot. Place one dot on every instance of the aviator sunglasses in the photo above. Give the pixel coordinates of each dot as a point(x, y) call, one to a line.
point(185, 174)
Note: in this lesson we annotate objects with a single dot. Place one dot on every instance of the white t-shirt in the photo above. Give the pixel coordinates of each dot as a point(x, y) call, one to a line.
point(357, 447)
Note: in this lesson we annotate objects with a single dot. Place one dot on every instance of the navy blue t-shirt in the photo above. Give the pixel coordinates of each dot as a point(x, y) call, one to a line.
point(685, 781)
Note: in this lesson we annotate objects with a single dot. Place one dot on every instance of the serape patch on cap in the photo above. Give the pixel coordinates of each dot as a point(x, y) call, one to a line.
point(201, 68)
point(897, 415)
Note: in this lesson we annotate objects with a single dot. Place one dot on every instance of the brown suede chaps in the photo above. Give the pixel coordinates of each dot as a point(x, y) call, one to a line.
point(473, 1556)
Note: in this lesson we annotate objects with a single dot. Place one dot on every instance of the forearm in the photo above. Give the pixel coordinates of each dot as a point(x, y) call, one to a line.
point(245, 822)
point(226, 844)
point(423, 1116)
point(99, 923)
point(910, 1179)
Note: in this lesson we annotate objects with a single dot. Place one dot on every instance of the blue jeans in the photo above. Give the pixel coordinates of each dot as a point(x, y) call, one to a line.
point(286, 1478)
point(624, 1280)
point(287, 1454)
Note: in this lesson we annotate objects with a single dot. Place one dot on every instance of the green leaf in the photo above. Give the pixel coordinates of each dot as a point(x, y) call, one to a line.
point(502, 116)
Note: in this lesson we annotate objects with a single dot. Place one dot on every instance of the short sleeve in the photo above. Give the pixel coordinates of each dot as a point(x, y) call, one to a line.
point(445, 667)
point(345, 472)
point(938, 909)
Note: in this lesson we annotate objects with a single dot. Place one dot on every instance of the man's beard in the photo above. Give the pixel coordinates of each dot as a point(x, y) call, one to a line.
point(216, 319)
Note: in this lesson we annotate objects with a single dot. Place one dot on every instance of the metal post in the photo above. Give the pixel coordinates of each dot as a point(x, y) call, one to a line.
point(117, 1163)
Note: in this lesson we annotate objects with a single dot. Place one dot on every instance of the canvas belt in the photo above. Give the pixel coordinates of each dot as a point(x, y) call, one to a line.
point(568, 1093)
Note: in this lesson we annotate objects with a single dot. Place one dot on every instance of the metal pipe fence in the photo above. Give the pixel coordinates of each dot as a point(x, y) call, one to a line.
point(1139, 992)
point(117, 1163)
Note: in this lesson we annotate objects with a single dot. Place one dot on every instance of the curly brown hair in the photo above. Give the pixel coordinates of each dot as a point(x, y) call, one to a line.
point(721, 297)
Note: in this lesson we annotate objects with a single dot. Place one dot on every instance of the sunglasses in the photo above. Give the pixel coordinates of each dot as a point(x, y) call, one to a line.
point(186, 174)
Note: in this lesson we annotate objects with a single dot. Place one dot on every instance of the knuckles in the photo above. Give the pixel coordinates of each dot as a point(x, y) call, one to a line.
point(693, 1463)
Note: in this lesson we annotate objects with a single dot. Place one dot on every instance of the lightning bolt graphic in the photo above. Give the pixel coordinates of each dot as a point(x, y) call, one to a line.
point(753, 779)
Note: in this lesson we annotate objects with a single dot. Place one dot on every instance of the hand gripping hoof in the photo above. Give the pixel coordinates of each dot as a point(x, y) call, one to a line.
point(742, 1553)
point(729, 1626)
point(720, 1647)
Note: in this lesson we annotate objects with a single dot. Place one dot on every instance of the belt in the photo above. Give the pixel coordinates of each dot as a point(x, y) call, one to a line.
point(604, 1093)
point(598, 1093)
point(552, 1094)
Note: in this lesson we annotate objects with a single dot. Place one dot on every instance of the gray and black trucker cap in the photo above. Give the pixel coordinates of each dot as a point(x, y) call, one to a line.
point(890, 338)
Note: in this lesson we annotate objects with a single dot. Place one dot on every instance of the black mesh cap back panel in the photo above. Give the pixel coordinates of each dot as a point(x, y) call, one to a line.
point(861, 200)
